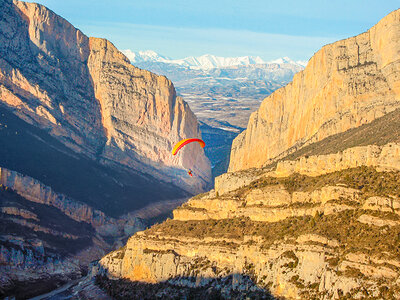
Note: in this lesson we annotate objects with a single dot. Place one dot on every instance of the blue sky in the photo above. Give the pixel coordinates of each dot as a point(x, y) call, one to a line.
point(181, 28)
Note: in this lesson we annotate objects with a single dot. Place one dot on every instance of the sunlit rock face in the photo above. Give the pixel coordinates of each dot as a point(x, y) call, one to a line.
point(84, 92)
point(345, 84)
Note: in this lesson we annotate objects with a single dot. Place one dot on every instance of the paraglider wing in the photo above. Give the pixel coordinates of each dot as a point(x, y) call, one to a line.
point(184, 142)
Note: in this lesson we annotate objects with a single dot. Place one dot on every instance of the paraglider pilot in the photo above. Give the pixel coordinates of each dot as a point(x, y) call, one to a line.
point(184, 142)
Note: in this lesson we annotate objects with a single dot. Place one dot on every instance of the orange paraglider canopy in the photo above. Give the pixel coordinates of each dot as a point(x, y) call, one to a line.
point(184, 142)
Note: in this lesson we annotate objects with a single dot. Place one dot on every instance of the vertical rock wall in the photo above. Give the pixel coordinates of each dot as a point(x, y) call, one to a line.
point(345, 84)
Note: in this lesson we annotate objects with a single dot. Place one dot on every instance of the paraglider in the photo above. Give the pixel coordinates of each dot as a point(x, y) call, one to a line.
point(183, 143)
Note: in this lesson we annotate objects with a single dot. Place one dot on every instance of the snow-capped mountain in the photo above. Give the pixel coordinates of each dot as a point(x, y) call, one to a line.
point(145, 56)
point(205, 62)
point(287, 60)
point(209, 61)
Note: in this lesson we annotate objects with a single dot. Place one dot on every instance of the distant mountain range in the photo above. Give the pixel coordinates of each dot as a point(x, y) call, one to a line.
point(206, 61)
point(222, 91)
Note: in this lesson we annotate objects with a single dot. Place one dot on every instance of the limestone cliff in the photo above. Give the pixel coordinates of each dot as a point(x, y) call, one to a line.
point(345, 84)
point(85, 139)
point(84, 92)
point(384, 158)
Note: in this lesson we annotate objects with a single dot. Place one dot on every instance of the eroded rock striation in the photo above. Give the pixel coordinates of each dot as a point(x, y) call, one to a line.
point(385, 157)
point(345, 84)
point(35, 191)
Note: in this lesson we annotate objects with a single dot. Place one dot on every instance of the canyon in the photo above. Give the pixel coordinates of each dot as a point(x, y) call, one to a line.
point(310, 206)
point(134, 117)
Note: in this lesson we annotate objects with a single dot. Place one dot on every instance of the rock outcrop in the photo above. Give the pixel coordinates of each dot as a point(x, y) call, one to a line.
point(28, 261)
point(345, 84)
point(386, 157)
point(144, 118)
point(84, 92)
point(35, 191)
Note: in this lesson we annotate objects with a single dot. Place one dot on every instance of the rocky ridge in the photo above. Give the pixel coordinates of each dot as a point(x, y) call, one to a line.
point(345, 84)
point(386, 158)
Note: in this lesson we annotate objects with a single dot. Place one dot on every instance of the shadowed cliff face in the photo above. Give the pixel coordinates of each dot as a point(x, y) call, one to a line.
point(345, 84)
point(115, 191)
point(85, 93)
point(235, 286)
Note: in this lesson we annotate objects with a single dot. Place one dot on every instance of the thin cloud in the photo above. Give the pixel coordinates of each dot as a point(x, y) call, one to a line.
point(180, 42)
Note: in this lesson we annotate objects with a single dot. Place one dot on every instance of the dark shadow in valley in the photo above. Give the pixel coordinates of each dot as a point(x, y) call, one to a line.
point(28, 289)
point(62, 235)
point(234, 286)
point(218, 147)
